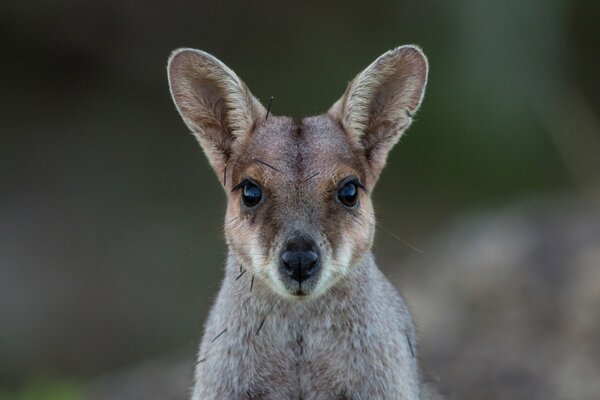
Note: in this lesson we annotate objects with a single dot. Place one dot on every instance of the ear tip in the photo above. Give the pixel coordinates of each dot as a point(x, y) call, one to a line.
point(411, 64)
point(410, 47)
point(412, 51)
point(187, 53)
point(413, 54)
point(177, 56)
point(179, 51)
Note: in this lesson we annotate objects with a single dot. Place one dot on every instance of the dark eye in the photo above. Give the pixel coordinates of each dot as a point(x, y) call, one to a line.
point(348, 194)
point(251, 194)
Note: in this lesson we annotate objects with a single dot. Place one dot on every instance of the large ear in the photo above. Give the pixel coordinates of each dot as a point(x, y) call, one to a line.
point(215, 104)
point(380, 103)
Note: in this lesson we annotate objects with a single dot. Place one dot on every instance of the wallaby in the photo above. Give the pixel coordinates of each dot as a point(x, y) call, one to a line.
point(303, 311)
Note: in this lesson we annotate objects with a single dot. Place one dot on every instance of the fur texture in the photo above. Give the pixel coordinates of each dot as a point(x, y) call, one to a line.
point(350, 343)
point(346, 334)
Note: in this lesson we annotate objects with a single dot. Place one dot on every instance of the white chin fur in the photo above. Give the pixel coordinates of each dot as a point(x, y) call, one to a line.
point(331, 272)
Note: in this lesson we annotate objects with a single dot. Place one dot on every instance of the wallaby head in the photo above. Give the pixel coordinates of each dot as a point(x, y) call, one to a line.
point(299, 212)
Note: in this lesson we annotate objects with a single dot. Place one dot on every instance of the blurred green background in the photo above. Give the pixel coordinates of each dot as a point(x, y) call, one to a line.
point(111, 243)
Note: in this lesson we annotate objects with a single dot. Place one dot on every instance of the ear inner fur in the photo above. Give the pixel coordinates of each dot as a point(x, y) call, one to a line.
point(379, 104)
point(214, 103)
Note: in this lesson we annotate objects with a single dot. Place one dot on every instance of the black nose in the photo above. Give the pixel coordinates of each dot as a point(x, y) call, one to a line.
point(300, 259)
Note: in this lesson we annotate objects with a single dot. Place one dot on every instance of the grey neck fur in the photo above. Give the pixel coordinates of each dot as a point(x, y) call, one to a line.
point(357, 341)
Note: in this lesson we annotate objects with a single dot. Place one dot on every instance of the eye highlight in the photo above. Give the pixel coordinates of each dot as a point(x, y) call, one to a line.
point(348, 193)
point(251, 193)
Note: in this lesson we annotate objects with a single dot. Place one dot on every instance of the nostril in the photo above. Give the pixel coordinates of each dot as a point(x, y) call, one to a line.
point(290, 260)
point(299, 265)
point(309, 259)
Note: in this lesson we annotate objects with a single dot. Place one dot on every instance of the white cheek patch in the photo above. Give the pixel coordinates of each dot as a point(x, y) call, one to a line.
point(256, 253)
point(334, 267)
point(264, 266)
point(343, 257)
point(275, 280)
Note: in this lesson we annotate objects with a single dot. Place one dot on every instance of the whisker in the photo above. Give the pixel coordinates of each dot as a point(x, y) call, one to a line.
point(412, 352)
point(264, 319)
point(264, 163)
point(362, 221)
point(269, 107)
point(240, 275)
point(219, 335)
point(253, 159)
point(401, 240)
point(310, 177)
point(389, 232)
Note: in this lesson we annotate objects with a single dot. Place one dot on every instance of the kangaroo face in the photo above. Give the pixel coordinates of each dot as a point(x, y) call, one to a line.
point(299, 214)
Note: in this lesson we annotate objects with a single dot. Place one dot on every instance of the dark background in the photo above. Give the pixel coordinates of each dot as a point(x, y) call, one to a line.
point(111, 243)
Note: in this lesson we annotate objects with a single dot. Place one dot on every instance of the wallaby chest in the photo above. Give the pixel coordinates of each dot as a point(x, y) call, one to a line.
point(336, 348)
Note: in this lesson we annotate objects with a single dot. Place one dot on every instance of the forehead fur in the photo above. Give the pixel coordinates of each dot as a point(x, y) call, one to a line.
point(281, 148)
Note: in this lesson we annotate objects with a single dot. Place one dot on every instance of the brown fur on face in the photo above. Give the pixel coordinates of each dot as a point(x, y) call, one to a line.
point(299, 166)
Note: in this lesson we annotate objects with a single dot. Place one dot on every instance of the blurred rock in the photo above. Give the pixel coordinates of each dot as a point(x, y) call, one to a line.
point(508, 303)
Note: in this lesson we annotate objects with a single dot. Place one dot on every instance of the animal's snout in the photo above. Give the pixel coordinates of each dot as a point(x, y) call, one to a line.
point(300, 259)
